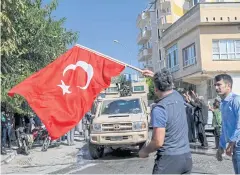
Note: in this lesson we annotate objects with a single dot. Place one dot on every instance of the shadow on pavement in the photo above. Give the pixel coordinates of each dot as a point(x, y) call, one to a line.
point(119, 154)
point(109, 154)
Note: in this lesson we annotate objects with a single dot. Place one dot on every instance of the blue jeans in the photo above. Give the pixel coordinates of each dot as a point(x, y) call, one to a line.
point(4, 136)
point(70, 136)
point(6, 133)
point(236, 158)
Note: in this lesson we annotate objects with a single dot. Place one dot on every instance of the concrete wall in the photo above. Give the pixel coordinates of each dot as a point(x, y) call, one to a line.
point(186, 40)
point(209, 33)
point(236, 82)
point(201, 90)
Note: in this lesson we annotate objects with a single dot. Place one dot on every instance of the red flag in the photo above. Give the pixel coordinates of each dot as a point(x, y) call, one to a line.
point(62, 92)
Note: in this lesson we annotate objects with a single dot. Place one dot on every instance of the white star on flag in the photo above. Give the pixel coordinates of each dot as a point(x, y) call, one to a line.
point(64, 88)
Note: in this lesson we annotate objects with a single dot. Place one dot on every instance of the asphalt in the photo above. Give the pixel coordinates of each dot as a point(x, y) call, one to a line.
point(126, 162)
point(68, 160)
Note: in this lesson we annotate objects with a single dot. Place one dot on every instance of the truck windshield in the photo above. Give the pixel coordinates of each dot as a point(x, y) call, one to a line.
point(131, 106)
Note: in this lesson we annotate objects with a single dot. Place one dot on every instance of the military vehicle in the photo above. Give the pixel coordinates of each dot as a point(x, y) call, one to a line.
point(120, 122)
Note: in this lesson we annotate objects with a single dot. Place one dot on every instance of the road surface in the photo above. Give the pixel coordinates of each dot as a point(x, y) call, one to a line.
point(124, 162)
point(76, 160)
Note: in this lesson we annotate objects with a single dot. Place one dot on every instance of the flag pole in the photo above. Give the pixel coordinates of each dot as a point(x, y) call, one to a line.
point(110, 58)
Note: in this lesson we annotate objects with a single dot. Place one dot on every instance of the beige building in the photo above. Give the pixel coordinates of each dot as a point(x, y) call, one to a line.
point(197, 41)
point(206, 42)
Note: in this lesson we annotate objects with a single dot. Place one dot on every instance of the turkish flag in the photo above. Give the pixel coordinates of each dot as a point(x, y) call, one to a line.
point(62, 92)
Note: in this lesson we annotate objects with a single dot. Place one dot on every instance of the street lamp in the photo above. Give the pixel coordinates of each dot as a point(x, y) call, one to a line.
point(130, 53)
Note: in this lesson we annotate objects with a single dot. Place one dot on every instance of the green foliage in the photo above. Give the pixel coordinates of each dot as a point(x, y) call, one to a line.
point(30, 39)
point(151, 94)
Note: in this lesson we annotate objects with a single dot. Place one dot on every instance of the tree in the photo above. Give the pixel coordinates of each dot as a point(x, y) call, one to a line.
point(151, 94)
point(31, 39)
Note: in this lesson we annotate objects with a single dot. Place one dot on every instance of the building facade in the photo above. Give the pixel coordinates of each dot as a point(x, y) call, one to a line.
point(144, 39)
point(198, 40)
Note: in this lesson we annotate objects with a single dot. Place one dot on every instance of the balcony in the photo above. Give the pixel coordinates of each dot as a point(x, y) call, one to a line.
point(144, 36)
point(164, 12)
point(143, 19)
point(164, 22)
point(164, 26)
point(144, 54)
point(166, 5)
point(148, 67)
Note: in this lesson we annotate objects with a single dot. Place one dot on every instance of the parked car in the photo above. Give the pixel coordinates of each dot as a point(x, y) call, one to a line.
point(208, 126)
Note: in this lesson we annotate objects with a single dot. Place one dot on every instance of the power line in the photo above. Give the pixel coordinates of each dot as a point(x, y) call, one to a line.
point(151, 4)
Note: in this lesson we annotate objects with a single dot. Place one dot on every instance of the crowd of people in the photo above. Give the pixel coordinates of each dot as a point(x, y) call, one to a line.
point(197, 117)
point(11, 121)
point(177, 121)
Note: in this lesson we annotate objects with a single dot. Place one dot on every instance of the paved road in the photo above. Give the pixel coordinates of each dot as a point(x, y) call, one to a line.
point(63, 160)
point(123, 162)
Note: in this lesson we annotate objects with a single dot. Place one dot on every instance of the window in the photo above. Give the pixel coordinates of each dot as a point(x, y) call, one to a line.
point(195, 2)
point(112, 90)
point(168, 10)
point(159, 35)
point(163, 20)
point(211, 89)
point(138, 88)
point(189, 55)
point(160, 54)
point(132, 106)
point(149, 45)
point(172, 58)
point(226, 49)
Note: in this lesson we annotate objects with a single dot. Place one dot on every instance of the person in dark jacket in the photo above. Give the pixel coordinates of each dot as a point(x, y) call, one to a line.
point(170, 128)
point(37, 121)
point(191, 122)
point(3, 131)
point(201, 116)
point(190, 118)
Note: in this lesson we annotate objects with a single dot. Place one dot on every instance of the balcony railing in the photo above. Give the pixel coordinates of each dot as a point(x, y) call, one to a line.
point(166, 5)
point(144, 54)
point(144, 36)
point(142, 19)
point(164, 26)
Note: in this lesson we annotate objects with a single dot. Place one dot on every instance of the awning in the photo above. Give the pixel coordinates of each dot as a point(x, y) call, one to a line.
point(197, 78)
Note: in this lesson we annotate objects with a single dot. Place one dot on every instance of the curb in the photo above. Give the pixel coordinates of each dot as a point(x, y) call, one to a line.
point(9, 158)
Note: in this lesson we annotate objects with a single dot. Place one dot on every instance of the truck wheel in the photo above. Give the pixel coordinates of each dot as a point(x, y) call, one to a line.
point(95, 151)
point(141, 145)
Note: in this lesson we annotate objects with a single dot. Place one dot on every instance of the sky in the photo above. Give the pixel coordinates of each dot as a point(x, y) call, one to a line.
point(99, 22)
